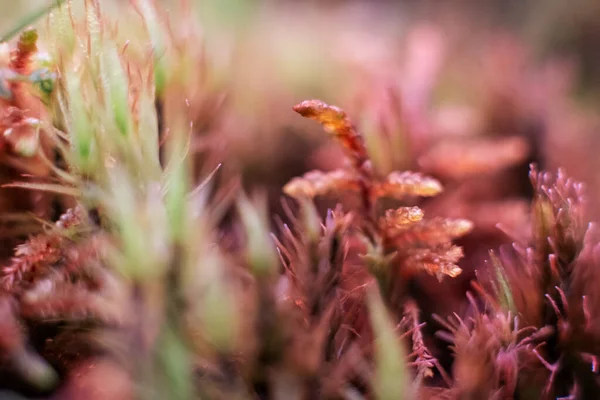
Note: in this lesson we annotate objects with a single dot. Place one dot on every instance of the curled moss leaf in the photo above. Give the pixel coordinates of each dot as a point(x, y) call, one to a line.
point(398, 218)
point(439, 261)
point(335, 122)
point(402, 184)
point(430, 231)
point(317, 183)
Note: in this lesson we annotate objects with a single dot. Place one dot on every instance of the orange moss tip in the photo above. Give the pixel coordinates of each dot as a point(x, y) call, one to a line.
point(402, 184)
point(397, 185)
point(440, 261)
point(335, 122)
point(457, 227)
point(317, 183)
point(319, 110)
point(437, 230)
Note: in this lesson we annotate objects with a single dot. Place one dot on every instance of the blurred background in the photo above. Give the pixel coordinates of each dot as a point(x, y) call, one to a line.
point(468, 91)
point(536, 62)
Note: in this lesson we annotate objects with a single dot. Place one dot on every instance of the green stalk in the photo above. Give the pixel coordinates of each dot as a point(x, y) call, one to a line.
point(29, 20)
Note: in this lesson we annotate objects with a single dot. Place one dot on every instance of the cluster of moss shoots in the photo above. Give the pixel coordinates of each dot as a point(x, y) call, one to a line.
point(135, 293)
